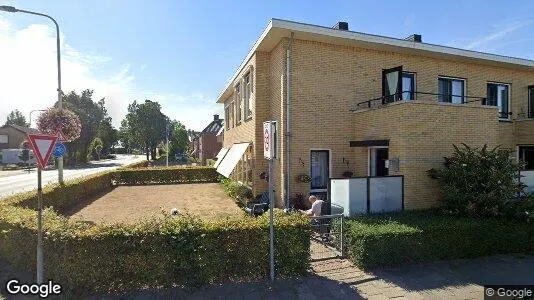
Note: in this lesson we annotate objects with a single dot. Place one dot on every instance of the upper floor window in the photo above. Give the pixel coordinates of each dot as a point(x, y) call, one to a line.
point(227, 116)
point(531, 101)
point(408, 86)
point(248, 95)
point(451, 90)
point(232, 114)
point(238, 101)
point(499, 95)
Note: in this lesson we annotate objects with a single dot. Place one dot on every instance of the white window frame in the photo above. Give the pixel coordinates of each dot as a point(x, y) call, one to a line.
point(238, 99)
point(509, 98)
point(247, 96)
point(369, 157)
point(464, 96)
point(414, 85)
point(330, 171)
point(227, 116)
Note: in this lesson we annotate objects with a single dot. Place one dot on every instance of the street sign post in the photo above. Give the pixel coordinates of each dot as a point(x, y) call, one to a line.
point(42, 146)
point(59, 150)
point(269, 152)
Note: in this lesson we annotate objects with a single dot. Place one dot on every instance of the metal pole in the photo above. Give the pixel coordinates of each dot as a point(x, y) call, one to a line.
point(341, 237)
point(271, 220)
point(40, 264)
point(167, 159)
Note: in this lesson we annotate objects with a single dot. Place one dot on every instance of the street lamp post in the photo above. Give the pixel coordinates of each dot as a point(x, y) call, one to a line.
point(59, 93)
point(31, 112)
point(40, 251)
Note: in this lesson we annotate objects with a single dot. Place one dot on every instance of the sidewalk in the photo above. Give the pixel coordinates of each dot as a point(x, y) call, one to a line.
point(339, 279)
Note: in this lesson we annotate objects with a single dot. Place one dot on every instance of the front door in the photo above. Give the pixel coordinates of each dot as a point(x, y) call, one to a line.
point(377, 161)
point(320, 173)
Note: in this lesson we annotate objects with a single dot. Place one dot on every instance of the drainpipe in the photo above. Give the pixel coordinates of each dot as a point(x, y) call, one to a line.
point(288, 122)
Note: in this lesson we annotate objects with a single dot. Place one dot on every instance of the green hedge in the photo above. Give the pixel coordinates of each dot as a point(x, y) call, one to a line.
point(158, 253)
point(64, 197)
point(140, 164)
point(410, 237)
point(166, 175)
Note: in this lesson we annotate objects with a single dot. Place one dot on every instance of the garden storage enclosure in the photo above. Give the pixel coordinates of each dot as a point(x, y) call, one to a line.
point(368, 194)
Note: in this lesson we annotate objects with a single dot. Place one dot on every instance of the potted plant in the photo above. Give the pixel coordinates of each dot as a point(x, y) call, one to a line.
point(347, 174)
point(303, 178)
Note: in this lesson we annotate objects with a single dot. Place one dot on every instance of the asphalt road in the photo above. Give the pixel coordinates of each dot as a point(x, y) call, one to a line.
point(12, 182)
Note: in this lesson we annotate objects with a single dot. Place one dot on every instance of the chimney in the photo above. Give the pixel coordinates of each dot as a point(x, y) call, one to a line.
point(215, 117)
point(415, 38)
point(341, 26)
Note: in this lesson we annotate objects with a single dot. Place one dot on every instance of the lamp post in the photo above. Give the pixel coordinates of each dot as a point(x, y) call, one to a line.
point(31, 112)
point(12, 9)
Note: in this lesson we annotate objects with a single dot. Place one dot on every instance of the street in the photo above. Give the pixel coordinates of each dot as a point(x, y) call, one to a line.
point(12, 182)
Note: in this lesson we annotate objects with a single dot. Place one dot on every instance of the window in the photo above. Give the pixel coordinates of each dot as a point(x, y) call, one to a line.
point(530, 101)
point(238, 101)
point(248, 95)
point(227, 116)
point(408, 86)
point(451, 90)
point(526, 155)
point(320, 166)
point(499, 95)
point(232, 115)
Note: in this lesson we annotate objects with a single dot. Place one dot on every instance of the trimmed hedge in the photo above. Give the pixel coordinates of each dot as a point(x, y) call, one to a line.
point(157, 253)
point(411, 237)
point(166, 175)
point(64, 197)
point(140, 164)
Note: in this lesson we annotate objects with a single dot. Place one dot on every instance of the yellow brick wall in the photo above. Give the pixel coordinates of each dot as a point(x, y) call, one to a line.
point(328, 79)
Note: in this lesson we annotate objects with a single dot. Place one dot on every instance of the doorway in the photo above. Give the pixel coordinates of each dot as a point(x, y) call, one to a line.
point(378, 158)
point(320, 173)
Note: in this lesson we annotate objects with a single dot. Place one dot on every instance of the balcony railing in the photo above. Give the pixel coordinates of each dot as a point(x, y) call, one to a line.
point(427, 97)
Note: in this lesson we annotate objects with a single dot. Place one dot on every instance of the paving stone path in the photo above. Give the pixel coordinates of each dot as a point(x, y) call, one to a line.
point(336, 278)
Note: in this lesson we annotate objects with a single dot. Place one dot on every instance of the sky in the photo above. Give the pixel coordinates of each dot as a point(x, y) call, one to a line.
point(182, 53)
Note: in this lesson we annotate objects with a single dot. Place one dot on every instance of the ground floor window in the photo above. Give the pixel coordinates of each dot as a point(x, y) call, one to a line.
point(526, 155)
point(320, 169)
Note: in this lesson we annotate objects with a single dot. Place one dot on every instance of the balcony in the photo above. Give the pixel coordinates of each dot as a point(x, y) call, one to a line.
point(424, 97)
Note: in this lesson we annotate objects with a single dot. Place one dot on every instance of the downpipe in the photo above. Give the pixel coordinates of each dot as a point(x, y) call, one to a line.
point(288, 123)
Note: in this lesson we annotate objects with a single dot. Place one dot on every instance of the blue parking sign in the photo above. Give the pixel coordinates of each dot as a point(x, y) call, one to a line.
point(59, 150)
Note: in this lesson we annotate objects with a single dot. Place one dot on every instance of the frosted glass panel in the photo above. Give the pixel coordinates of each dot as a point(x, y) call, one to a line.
point(385, 194)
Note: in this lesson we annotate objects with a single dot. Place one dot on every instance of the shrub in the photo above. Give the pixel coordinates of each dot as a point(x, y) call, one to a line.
point(410, 237)
point(140, 164)
point(478, 182)
point(160, 252)
point(166, 175)
point(63, 197)
point(55, 120)
point(233, 189)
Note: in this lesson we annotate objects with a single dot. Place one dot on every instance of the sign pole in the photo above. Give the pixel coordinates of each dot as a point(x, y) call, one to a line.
point(271, 219)
point(40, 260)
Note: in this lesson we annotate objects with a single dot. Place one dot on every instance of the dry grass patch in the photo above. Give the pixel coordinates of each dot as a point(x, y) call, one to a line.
point(129, 204)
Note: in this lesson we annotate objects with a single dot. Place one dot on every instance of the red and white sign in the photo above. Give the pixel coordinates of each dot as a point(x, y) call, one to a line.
point(269, 139)
point(42, 146)
point(61, 136)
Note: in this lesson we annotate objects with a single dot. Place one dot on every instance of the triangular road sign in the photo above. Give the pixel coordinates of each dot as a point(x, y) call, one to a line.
point(61, 136)
point(42, 146)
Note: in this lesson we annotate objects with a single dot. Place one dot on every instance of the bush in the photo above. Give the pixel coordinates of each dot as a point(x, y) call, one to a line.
point(166, 175)
point(157, 253)
point(410, 237)
point(63, 197)
point(233, 189)
point(478, 182)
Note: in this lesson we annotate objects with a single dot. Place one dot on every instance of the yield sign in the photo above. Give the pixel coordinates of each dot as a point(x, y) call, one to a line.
point(42, 146)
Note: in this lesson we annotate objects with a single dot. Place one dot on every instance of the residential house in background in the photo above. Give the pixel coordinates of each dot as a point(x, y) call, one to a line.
point(12, 136)
point(206, 144)
point(369, 106)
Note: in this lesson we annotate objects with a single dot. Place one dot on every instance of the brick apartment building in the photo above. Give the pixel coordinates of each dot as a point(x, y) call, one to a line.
point(206, 144)
point(375, 106)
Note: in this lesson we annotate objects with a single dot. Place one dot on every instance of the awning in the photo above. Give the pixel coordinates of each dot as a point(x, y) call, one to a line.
point(231, 159)
point(369, 143)
point(220, 156)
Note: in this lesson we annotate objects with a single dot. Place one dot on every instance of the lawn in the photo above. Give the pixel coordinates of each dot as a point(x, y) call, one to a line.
point(129, 204)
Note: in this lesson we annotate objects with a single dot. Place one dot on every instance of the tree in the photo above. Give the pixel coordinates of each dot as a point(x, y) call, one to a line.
point(179, 140)
point(145, 124)
point(108, 135)
point(92, 115)
point(55, 120)
point(15, 117)
point(95, 148)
